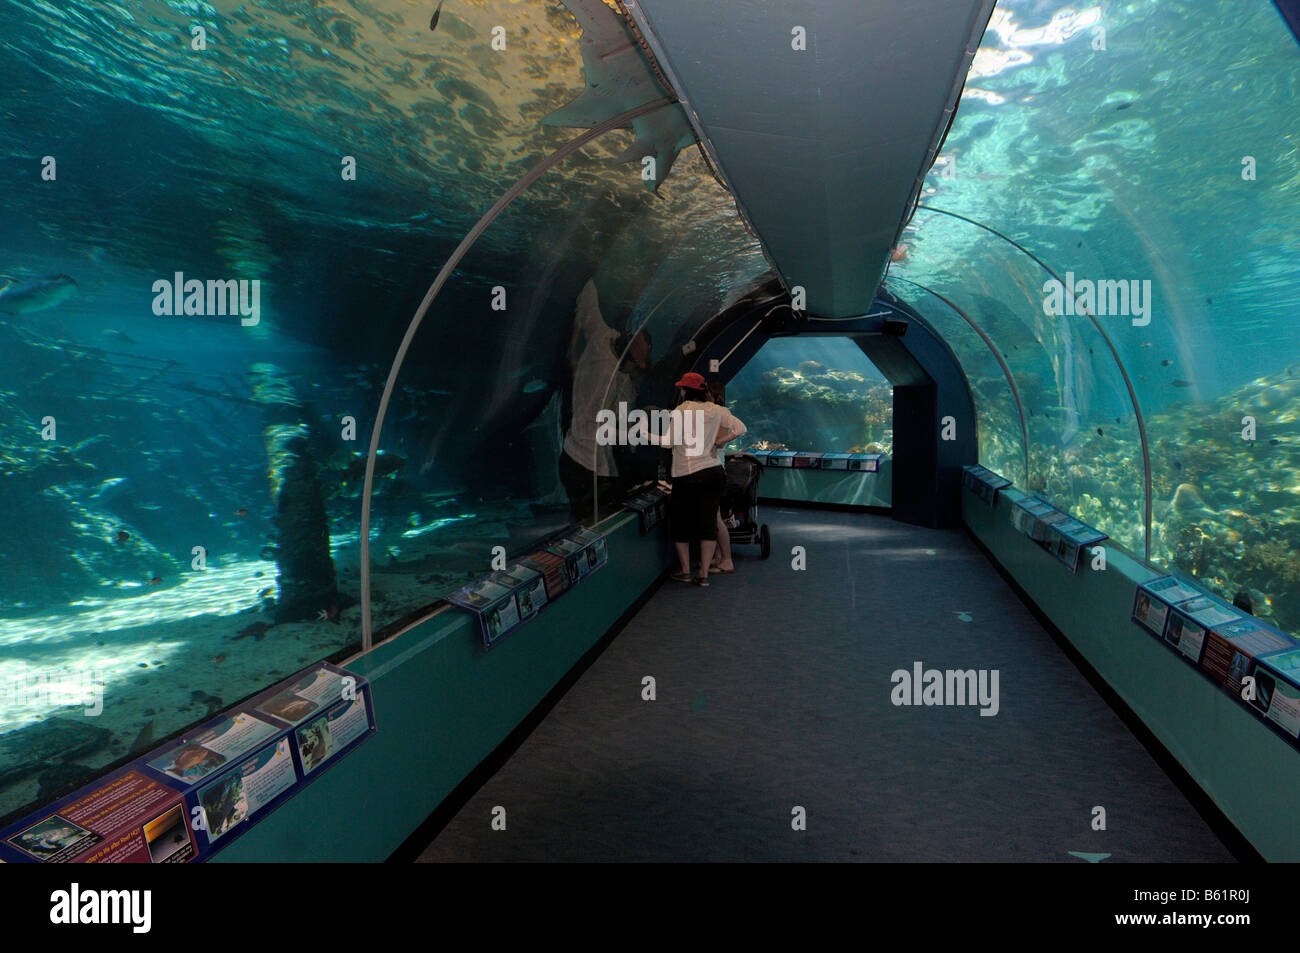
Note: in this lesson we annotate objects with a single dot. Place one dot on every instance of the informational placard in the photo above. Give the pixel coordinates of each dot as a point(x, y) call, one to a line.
point(1231, 650)
point(1277, 690)
point(650, 505)
point(835, 461)
point(983, 482)
point(807, 460)
point(1069, 538)
point(330, 733)
point(236, 796)
point(192, 796)
point(125, 818)
point(1153, 600)
point(865, 462)
point(780, 458)
point(553, 571)
point(1185, 635)
point(495, 603)
point(1026, 514)
point(506, 600)
point(213, 747)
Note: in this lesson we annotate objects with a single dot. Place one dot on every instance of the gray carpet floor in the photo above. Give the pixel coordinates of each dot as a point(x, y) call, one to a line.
point(774, 692)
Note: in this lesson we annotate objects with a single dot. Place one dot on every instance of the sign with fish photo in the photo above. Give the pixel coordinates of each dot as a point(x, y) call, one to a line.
point(178, 803)
point(1232, 649)
point(506, 600)
point(1277, 690)
point(1153, 600)
point(125, 817)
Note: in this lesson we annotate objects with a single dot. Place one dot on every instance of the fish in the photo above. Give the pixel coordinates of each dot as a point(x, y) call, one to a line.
point(256, 631)
point(533, 386)
point(241, 512)
point(433, 22)
point(385, 464)
point(1166, 363)
point(143, 740)
point(19, 296)
point(122, 536)
point(1182, 383)
point(1145, 344)
point(1100, 433)
point(1122, 106)
point(117, 335)
point(156, 581)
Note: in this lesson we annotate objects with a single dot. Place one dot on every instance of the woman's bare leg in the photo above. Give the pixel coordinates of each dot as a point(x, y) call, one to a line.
point(706, 556)
point(723, 560)
point(684, 557)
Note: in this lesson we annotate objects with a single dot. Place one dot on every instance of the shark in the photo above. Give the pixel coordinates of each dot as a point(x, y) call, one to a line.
point(23, 296)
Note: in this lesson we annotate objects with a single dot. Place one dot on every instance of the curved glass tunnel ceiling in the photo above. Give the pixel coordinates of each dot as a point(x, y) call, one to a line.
point(1117, 163)
point(823, 146)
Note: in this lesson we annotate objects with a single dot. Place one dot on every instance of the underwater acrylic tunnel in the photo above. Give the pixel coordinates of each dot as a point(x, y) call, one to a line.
point(833, 404)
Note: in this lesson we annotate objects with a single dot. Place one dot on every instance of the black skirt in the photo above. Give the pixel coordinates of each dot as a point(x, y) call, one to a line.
point(693, 505)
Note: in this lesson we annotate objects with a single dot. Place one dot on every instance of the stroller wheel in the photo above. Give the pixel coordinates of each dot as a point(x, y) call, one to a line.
point(764, 542)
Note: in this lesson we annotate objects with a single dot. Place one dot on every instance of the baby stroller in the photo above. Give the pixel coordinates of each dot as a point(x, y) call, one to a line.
point(740, 498)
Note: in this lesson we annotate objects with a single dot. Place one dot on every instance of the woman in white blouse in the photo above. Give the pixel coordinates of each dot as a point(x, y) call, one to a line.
point(696, 428)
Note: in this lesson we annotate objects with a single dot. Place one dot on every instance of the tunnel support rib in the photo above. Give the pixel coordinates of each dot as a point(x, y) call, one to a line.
point(512, 193)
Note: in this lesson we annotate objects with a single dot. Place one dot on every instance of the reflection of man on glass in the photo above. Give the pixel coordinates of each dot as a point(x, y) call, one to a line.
point(600, 382)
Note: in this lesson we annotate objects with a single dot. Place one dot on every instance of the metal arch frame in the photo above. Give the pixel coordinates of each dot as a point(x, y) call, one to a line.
point(931, 357)
point(1006, 369)
point(512, 193)
point(1114, 353)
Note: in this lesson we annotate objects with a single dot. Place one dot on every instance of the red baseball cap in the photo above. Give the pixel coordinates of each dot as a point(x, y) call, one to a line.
point(693, 381)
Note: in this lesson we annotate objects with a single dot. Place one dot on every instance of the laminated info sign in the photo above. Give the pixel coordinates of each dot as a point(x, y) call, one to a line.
point(185, 799)
point(983, 482)
point(1153, 600)
point(650, 505)
point(124, 818)
point(330, 711)
point(1032, 517)
point(1069, 537)
point(494, 601)
point(865, 462)
point(506, 600)
point(807, 460)
point(1277, 690)
point(1232, 648)
point(835, 461)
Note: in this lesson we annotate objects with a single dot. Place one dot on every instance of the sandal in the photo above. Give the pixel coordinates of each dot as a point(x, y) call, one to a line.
point(681, 576)
point(701, 581)
point(718, 570)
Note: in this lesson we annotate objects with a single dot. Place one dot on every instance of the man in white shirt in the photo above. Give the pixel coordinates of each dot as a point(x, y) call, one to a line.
point(601, 380)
